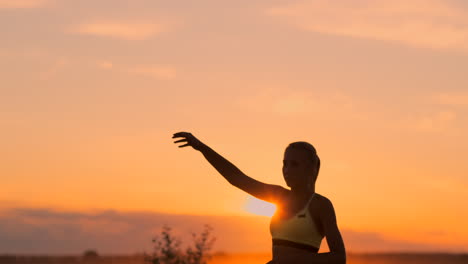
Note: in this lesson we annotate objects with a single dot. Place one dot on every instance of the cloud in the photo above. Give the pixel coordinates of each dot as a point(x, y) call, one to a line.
point(450, 99)
point(302, 102)
point(128, 30)
point(436, 122)
point(43, 231)
point(446, 114)
point(17, 4)
point(157, 72)
point(104, 65)
point(433, 24)
point(367, 242)
point(54, 69)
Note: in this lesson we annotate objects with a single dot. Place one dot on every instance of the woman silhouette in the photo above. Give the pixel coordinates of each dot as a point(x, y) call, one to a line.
point(303, 217)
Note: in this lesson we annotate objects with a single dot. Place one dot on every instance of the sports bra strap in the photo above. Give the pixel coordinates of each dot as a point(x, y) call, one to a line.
point(306, 207)
point(310, 200)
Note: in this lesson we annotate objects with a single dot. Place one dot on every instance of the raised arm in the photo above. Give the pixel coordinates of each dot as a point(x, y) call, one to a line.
point(231, 173)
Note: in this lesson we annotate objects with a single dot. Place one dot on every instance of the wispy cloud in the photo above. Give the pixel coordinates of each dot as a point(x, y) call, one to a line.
point(446, 114)
point(104, 64)
point(362, 241)
point(159, 72)
point(286, 102)
point(56, 66)
point(421, 23)
point(22, 3)
point(128, 30)
point(451, 99)
point(114, 232)
point(439, 121)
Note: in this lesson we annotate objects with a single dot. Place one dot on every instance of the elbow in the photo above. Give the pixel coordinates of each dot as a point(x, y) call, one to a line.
point(341, 257)
point(232, 181)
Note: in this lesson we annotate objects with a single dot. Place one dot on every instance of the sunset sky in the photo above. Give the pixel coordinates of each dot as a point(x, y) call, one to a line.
point(92, 91)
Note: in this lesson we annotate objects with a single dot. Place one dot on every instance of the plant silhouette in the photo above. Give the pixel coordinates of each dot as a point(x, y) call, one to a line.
point(167, 248)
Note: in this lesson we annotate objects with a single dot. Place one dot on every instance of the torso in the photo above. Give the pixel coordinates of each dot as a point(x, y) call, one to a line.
point(290, 208)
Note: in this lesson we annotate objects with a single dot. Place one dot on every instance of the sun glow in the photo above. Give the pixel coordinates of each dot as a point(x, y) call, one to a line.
point(259, 207)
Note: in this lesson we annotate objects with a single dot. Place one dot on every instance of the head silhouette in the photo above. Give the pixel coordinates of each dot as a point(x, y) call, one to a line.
point(301, 165)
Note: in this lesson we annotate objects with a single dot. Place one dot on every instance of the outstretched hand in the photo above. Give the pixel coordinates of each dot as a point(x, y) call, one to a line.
point(189, 139)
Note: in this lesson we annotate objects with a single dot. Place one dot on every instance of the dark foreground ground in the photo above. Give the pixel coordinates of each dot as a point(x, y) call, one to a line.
point(393, 258)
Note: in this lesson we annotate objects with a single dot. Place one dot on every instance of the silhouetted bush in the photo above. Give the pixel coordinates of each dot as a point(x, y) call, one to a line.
point(167, 248)
point(90, 254)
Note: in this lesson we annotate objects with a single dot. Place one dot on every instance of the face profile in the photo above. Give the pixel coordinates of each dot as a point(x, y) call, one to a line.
point(297, 167)
point(300, 166)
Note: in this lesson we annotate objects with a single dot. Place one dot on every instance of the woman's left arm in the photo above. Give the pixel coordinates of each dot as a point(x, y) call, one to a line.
point(337, 254)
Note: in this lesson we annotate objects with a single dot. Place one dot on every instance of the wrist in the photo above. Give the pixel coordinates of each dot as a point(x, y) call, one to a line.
point(202, 147)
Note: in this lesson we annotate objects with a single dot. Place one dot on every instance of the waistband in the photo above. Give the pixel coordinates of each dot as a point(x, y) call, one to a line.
point(287, 243)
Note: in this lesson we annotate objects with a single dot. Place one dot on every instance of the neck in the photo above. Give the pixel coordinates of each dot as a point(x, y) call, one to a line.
point(303, 192)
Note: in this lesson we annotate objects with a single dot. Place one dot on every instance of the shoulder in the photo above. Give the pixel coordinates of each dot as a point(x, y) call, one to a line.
point(324, 205)
point(279, 194)
point(322, 200)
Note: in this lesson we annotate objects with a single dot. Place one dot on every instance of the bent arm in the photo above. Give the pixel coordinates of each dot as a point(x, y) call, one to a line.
point(236, 177)
point(337, 254)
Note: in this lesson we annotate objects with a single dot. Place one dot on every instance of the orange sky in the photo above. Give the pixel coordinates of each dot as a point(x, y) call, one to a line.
point(91, 92)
